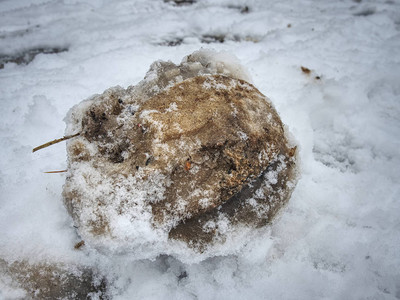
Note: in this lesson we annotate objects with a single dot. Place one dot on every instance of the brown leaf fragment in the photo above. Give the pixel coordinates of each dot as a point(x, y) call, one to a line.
point(292, 151)
point(79, 244)
point(305, 70)
point(188, 165)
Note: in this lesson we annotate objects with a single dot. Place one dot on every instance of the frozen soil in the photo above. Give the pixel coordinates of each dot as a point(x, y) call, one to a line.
point(192, 153)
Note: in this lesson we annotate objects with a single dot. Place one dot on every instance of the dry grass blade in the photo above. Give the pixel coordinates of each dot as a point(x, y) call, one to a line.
point(67, 137)
point(51, 172)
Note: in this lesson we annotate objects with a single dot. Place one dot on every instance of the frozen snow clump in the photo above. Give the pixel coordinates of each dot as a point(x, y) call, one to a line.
point(186, 159)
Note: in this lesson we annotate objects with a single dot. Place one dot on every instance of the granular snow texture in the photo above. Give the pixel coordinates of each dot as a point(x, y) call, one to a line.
point(330, 68)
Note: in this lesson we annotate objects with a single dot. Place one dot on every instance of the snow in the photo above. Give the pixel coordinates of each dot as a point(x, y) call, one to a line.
point(338, 237)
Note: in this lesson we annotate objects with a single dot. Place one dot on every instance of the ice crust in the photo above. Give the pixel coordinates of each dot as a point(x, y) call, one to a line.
point(126, 197)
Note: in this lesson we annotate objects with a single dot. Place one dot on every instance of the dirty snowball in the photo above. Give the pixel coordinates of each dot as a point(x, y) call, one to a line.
point(191, 156)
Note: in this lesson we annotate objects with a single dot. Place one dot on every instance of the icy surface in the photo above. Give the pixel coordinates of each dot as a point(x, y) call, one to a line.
point(339, 235)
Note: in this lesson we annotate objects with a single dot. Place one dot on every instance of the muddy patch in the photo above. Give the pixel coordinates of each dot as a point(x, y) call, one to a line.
point(365, 12)
point(243, 9)
point(173, 42)
point(222, 38)
point(25, 57)
point(55, 281)
point(180, 2)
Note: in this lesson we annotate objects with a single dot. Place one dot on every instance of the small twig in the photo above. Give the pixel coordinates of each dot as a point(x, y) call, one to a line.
point(67, 137)
point(51, 172)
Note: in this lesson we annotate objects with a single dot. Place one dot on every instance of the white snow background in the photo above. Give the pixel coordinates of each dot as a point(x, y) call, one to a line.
point(339, 236)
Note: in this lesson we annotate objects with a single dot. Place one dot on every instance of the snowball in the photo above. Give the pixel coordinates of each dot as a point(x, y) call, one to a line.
point(154, 165)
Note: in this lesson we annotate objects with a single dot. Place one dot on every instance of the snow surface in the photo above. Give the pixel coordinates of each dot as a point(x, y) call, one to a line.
point(339, 236)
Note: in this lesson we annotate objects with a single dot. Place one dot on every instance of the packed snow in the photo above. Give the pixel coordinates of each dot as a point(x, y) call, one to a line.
point(332, 70)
